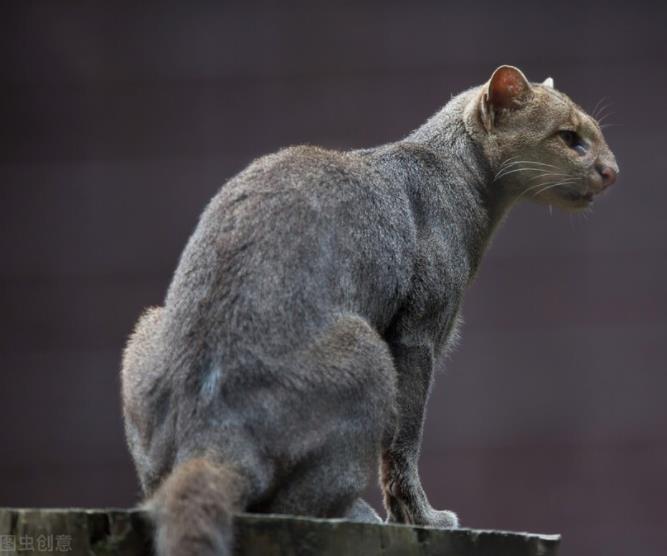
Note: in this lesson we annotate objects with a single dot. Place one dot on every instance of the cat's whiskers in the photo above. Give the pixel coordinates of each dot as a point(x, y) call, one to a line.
point(597, 106)
point(515, 170)
point(507, 163)
point(606, 103)
point(603, 113)
point(551, 186)
point(532, 165)
point(536, 186)
point(604, 117)
point(543, 169)
point(602, 108)
point(551, 174)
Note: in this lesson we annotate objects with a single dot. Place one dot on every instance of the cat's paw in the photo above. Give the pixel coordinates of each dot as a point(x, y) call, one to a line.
point(442, 519)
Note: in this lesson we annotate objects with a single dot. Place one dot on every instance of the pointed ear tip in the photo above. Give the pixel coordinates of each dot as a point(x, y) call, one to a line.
point(548, 82)
point(507, 69)
point(508, 87)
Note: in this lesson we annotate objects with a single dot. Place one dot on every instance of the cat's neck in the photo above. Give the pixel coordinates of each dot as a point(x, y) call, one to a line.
point(446, 136)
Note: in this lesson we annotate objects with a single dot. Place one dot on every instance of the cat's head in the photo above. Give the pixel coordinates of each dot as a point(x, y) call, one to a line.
point(540, 144)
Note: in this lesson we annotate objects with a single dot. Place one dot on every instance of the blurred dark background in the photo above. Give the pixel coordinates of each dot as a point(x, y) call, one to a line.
point(118, 121)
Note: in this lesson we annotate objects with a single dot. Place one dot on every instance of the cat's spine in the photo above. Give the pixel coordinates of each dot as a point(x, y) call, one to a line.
point(193, 508)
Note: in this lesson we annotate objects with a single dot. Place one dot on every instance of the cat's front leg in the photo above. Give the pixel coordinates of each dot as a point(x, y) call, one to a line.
point(404, 496)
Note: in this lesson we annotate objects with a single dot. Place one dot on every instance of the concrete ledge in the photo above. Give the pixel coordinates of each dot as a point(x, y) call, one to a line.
point(79, 532)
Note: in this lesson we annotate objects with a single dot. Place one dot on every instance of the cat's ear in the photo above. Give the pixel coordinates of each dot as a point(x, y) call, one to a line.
point(508, 89)
point(548, 82)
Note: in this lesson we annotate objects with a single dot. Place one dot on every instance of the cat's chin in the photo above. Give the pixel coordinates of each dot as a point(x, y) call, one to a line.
point(578, 201)
point(569, 201)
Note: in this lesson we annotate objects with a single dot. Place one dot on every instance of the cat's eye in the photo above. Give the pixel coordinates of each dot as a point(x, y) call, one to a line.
point(573, 140)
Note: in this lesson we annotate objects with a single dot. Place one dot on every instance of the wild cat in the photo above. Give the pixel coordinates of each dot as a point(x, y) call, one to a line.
point(295, 348)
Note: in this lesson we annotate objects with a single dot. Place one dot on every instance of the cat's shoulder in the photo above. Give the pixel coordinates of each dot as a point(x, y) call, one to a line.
point(303, 156)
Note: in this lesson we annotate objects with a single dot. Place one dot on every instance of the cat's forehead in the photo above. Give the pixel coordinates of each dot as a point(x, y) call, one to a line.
point(556, 102)
point(563, 110)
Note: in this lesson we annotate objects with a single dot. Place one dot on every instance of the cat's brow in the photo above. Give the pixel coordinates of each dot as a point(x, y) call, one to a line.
point(589, 126)
point(557, 95)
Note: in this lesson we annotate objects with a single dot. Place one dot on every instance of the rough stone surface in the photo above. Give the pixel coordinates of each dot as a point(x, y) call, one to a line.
point(113, 531)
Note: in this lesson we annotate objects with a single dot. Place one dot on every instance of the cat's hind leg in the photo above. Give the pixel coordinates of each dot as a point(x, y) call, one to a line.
point(144, 400)
point(336, 424)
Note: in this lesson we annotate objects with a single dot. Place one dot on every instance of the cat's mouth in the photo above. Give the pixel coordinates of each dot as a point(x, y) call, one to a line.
point(568, 199)
point(580, 197)
point(575, 200)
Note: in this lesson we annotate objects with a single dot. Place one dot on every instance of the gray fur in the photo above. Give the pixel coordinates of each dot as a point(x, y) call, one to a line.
point(295, 348)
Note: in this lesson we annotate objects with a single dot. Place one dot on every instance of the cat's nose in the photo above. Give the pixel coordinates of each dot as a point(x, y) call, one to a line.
point(607, 173)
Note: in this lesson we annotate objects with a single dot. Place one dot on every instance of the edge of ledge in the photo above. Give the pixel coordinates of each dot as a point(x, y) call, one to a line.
point(102, 531)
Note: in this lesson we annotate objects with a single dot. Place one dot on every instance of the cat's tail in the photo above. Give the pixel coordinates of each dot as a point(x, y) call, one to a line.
point(192, 509)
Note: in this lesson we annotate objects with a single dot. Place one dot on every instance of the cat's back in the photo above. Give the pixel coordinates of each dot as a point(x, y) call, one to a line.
point(295, 236)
